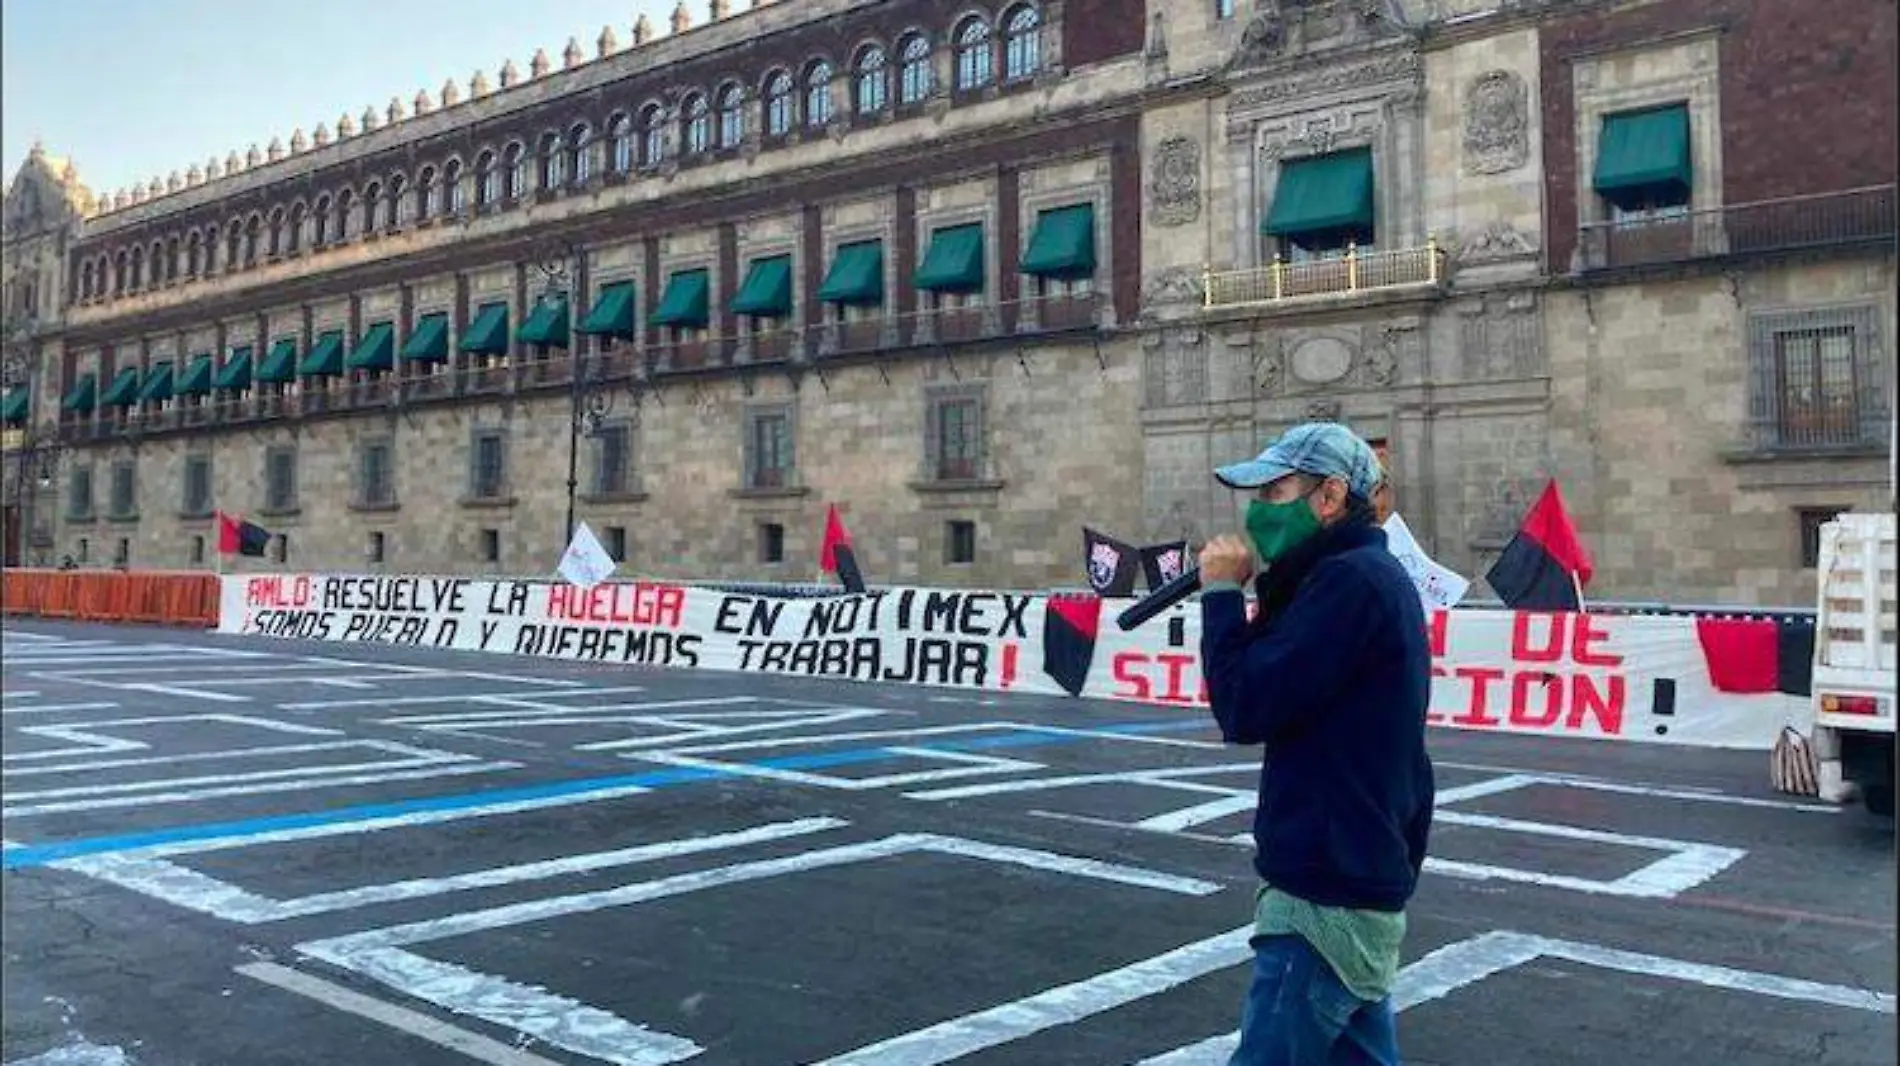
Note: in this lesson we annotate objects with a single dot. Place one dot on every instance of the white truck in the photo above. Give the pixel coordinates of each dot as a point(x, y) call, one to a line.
point(1854, 671)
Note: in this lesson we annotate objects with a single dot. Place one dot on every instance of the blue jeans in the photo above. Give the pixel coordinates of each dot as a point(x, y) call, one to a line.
point(1298, 1013)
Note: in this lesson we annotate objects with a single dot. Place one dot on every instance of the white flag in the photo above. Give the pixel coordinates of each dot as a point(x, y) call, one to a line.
point(586, 563)
point(1438, 586)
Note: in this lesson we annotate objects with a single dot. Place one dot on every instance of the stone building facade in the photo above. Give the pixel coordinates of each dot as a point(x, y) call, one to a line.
point(983, 274)
point(1699, 350)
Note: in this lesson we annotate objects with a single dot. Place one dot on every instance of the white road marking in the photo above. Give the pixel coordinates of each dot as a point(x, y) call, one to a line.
point(528, 711)
point(565, 1023)
point(1199, 814)
point(50, 708)
point(972, 765)
point(1063, 1005)
point(78, 1052)
point(192, 890)
point(1173, 778)
point(89, 739)
point(1467, 962)
point(256, 789)
point(154, 784)
point(412, 1022)
point(212, 756)
point(416, 701)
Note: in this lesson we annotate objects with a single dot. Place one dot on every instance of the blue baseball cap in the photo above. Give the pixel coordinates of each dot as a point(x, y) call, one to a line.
point(1322, 449)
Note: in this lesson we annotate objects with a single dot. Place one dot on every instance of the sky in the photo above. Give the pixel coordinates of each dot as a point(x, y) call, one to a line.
point(134, 89)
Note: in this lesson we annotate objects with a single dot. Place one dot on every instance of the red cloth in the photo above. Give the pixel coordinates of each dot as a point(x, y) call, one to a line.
point(835, 536)
point(228, 540)
point(1743, 654)
point(1549, 525)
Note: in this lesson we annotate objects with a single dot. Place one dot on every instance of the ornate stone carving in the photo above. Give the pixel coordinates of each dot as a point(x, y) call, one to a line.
point(1269, 366)
point(1175, 285)
point(1497, 240)
point(1323, 411)
point(1322, 360)
point(1497, 123)
point(1158, 37)
point(1175, 367)
point(1263, 38)
point(1174, 187)
point(1500, 337)
point(1332, 77)
point(1381, 365)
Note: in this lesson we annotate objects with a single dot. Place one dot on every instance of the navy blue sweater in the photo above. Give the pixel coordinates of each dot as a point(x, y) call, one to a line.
point(1335, 683)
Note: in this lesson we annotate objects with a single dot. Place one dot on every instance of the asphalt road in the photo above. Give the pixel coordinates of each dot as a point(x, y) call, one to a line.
point(225, 852)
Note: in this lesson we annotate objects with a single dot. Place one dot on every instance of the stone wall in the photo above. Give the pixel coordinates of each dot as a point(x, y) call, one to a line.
point(1056, 451)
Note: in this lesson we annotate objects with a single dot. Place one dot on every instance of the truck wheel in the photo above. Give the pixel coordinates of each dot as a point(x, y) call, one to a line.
point(1879, 799)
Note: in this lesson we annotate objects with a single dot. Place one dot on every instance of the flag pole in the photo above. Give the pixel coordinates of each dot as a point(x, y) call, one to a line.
point(1576, 582)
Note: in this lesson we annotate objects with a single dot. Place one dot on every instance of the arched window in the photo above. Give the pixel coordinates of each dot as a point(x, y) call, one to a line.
point(818, 95)
point(85, 280)
point(514, 175)
point(652, 137)
point(975, 63)
point(120, 273)
point(372, 199)
point(275, 245)
point(138, 267)
point(233, 244)
point(913, 76)
point(428, 194)
point(345, 203)
point(580, 155)
point(392, 204)
point(211, 250)
point(487, 181)
point(194, 253)
point(171, 259)
point(778, 104)
point(553, 162)
point(1022, 43)
point(294, 239)
point(620, 129)
point(253, 233)
point(452, 187)
point(697, 120)
point(872, 89)
point(158, 263)
point(731, 116)
point(320, 224)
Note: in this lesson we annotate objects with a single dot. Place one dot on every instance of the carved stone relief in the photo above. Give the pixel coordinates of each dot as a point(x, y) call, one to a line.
point(1175, 367)
point(1269, 366)
point(1323, 411)
point(1509, 499)
point(1174, 285)
point(1174, 188)
point(1322, 360)
point(1496, 240)
point(1263, 38)
point(1333, 77)
point(1500, 337)
point(1497, 123)
point(1396, 346)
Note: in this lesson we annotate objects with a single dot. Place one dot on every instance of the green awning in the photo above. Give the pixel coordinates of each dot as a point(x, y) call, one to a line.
point(377, 349)
point(856, 276)
point(767, 292)
point(1643, 156)
point(235, 375)
point(13, 411)
point(954, 261)
point(281, 364)
point(1062, 247)
point(124, 390)
point(325, 358)
point(546, 326)
point(429, 341)
point(685, 302)
point(488, 334)
point(79, 398)
point(1322, 194)
point(158, 383)
point(612, 315)
point(196, 380)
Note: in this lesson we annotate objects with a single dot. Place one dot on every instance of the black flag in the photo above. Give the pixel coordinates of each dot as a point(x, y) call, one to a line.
point(1164, 562)
point(1112, 565)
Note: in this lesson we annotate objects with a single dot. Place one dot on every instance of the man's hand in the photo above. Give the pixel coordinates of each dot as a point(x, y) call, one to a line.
point(1227, 559)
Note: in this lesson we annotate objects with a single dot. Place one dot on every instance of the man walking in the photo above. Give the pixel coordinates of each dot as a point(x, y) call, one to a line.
point(1332, 675)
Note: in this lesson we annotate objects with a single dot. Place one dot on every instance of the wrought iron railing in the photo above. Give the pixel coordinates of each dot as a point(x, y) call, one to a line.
point(1354, 272)
point(1823, 220)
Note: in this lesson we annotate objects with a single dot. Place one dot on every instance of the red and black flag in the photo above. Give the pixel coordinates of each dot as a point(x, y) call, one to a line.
point(1069, 626)
point(1113, 566)
point(238, 537)
point(1545, 566)
point(1163, 563)
point(1754, 655)
point(836, 557)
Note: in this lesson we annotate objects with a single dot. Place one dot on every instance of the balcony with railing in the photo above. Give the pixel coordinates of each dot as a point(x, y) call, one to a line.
point(1855, 217)
point(1355, 273)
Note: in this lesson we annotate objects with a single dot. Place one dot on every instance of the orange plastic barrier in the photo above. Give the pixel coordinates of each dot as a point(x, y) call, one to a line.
point(143, 597)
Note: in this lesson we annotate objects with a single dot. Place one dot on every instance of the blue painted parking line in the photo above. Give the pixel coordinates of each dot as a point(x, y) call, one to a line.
point(30, 855)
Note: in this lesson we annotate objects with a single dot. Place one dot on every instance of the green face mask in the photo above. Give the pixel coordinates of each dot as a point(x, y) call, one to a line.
point(1278, 528)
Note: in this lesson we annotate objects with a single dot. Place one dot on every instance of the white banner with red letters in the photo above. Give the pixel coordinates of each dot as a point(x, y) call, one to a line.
point(1598, 676)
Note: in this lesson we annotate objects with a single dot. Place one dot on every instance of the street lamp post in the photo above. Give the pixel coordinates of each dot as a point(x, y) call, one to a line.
point(37, 456)
point(589, 397)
